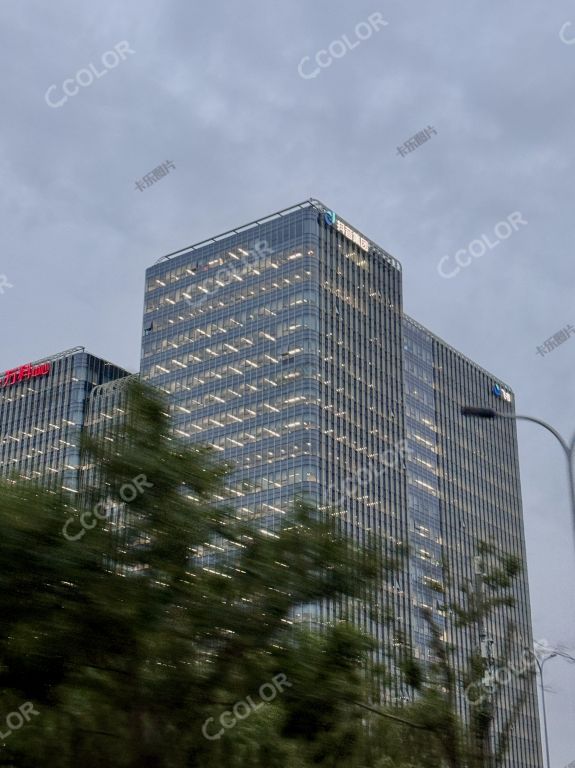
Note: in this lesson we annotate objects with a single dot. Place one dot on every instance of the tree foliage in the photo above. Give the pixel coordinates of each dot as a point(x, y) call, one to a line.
point(445, 686)
point(129, 638)
point(136, 638)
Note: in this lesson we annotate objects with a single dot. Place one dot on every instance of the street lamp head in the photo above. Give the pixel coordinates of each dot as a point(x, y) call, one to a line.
point(483, 413)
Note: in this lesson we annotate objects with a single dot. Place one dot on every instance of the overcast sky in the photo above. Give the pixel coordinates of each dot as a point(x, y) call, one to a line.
point(215, 88)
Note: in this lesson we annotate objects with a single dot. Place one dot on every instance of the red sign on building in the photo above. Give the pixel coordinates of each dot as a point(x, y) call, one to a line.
point(15, 375)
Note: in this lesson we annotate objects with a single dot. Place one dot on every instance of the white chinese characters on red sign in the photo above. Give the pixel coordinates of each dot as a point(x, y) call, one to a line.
point(351, 235)
point(24, 372)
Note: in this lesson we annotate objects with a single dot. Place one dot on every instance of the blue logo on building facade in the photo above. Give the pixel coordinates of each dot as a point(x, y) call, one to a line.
point(330, 217)
point(498, 391)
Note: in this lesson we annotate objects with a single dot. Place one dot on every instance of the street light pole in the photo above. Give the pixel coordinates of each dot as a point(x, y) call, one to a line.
point(569, 451)
point(540, 665)
point(568, 448)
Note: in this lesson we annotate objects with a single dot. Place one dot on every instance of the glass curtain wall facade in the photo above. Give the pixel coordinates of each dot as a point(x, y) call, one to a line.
point(42, 414)
point(106, 407)
point(106, 412)
point(279, 344)
point(284, 346)
point(426, 543)
point(480, 500)
point(464, 488)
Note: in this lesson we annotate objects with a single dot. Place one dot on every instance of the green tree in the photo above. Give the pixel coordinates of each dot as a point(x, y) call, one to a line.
point(474, 741)
point(129, 638)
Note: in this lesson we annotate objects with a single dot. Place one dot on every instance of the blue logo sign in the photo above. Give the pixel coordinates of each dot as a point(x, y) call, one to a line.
point(498, 391)
point(329, 217)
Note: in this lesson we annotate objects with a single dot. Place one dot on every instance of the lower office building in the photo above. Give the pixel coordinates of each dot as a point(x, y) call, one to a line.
point(106, 408)
point(42, 415)
point(106, 413)
point(283, 345)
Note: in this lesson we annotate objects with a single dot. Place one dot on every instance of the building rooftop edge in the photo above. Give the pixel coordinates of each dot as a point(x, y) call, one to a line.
point(309, 203)
point(69, 353)
point(115, 384)
point(237, 230)
point(434, 336)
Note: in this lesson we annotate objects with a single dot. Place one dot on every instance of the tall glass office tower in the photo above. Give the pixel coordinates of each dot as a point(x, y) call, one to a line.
point(42, 414)
point(283, 345)
point(464, 488)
